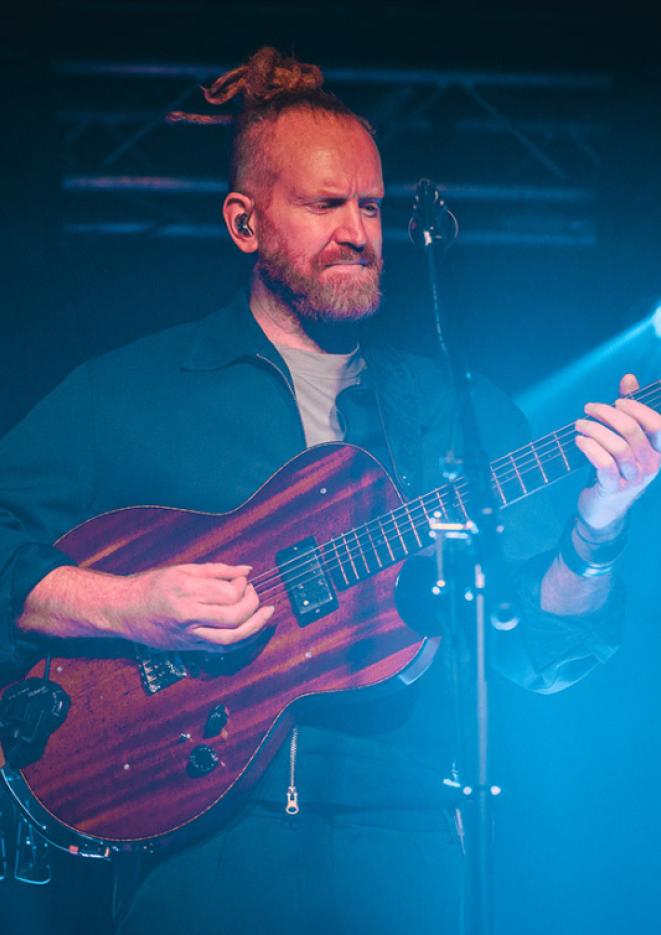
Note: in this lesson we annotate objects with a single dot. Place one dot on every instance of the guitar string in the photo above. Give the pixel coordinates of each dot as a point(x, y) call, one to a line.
point(410, 514)
point(359, 552)
point(407, 512)
point(649, 394)
point(367, 545)
point(549, 441)
point(525, 465)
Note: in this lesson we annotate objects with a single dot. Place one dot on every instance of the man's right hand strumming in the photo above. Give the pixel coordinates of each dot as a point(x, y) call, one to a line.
point(186, 607)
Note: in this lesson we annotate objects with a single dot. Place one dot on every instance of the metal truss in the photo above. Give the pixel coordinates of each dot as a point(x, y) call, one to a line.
point(518, 152)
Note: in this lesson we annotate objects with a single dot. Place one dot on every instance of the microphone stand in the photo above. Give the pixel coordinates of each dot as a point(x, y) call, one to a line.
point(470, 543)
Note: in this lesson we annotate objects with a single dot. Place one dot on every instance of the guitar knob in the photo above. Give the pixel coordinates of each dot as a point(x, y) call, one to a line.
point(201, 761)
point(217, 719)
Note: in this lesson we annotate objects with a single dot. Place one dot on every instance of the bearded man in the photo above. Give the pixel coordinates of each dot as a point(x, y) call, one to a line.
point(350, 827)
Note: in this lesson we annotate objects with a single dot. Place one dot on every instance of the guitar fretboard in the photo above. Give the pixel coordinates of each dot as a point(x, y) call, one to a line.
point(365, 550)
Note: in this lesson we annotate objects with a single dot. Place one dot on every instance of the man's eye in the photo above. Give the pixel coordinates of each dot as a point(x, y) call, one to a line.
point(372, 208)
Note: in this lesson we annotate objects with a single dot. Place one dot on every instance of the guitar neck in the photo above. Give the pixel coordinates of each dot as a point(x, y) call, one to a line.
point(365, 550)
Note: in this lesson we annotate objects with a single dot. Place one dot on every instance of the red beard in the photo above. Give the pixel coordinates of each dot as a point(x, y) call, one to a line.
point(320, 294)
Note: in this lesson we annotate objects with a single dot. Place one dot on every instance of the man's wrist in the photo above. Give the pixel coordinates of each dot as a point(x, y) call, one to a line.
point(74, 602)
point(592, 535)
point(589, 552)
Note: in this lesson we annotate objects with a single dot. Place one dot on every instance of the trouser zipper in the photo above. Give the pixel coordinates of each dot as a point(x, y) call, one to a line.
point(292, 807)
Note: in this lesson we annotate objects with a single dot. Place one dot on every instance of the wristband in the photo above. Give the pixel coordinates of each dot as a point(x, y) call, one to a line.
point(601, 556)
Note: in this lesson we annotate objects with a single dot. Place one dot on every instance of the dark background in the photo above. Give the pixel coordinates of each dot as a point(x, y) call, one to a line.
point(543, 127)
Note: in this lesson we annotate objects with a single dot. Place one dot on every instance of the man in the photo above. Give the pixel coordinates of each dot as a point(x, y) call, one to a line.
point(199, 418)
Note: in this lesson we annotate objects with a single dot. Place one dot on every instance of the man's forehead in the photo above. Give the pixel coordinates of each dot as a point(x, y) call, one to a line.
point(321, 148)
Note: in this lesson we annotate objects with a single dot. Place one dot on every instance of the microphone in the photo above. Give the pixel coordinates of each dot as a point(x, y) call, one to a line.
point(431, 221)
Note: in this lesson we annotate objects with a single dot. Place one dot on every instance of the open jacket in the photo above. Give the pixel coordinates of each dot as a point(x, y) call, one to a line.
point(198, 417)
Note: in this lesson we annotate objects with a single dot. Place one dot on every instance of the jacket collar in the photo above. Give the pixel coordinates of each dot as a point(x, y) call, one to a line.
point(231, 333)
point(225, 336)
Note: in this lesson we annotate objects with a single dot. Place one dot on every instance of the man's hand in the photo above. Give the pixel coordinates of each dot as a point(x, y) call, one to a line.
point(194, 607)
point(207, 607)
point(623, 443)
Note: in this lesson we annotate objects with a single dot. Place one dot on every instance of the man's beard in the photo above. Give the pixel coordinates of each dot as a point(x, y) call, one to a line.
point(318, 298)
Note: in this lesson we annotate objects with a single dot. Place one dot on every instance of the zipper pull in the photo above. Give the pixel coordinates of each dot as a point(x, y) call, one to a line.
point(292, 801)
point(292, 792)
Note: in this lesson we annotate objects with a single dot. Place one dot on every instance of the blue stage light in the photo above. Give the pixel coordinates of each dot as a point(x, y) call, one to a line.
point(656, 321)
point(594, 375)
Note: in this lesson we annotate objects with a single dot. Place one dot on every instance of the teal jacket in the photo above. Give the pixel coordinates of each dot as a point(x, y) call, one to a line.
point(198, 417)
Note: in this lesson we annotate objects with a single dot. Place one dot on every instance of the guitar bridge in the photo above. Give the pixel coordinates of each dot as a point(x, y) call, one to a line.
point(159, 670)
point(309, 588)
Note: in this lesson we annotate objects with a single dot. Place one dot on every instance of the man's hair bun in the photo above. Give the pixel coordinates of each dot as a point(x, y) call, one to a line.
point(266, 86)
point(266, 76)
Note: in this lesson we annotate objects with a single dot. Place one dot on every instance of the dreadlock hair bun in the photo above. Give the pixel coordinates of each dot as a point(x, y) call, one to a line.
point(266, 76)
point(260, 90)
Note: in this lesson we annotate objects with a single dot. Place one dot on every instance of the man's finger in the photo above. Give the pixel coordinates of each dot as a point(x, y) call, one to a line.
point(229, 614)
point(638, 424)
point(619, 448)
point(224, 637)
point(608, 472)
point(629, 384)
point(218, 570)
point(648, 418)
point(621, 420)
point(221, 591)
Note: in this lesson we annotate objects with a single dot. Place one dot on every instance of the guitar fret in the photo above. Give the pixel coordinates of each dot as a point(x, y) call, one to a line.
point(428, 518)
point(413, 527)
point(539, 463)
point(424, 510)
point(562, 451)
point(350, 557)
point(461, 503)
point(399, 534)
point(518, 474)
point(340, 563)
point(385, 539)
point(374, 548)
point(444, 512)
point(498, 487)
point(362, 554)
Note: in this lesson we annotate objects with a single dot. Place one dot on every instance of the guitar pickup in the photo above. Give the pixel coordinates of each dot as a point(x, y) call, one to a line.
point(310, 591)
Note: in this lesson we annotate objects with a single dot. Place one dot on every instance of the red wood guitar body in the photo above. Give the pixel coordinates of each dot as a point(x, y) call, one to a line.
point(117, 771)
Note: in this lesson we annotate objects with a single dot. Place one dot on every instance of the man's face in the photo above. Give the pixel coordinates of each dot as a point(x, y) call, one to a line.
point(320, 232)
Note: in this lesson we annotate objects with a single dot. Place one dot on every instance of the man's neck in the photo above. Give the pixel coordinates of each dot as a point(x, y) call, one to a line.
point(283, 326)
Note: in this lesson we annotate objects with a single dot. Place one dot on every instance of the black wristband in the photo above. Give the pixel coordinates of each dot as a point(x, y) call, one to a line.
point(602, 555)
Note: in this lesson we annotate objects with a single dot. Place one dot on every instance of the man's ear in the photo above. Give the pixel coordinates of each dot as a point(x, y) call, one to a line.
point(238, 212)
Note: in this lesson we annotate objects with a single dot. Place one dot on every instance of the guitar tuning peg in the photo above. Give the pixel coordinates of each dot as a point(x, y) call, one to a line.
point(31, 864)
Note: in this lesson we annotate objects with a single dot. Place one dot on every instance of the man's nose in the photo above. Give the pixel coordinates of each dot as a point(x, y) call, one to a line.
point(351, 226)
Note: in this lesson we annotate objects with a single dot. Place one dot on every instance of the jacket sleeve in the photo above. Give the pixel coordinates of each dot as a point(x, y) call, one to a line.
point(546, 652)
point(46, 483)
